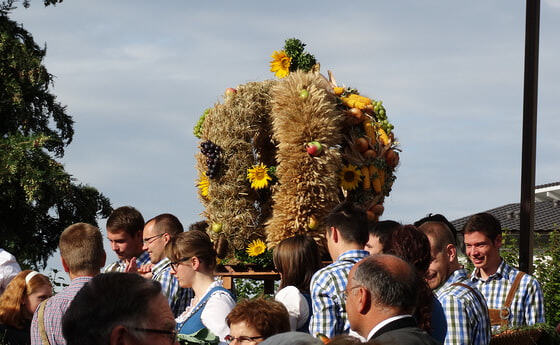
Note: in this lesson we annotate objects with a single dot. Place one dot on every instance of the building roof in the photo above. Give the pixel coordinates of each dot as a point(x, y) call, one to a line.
point(547, 211)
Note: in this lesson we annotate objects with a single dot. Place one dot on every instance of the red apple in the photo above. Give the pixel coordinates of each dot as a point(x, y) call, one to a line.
point(230, 91)
point(314, 148)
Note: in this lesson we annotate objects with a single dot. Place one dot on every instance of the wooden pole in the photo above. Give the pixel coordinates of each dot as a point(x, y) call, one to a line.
point(528, 154)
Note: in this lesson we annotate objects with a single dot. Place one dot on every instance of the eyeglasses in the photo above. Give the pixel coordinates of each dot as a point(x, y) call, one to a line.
point(174, 264)
point(242, 339)
point(172, 333)
point(149, 239)
point(346, 292)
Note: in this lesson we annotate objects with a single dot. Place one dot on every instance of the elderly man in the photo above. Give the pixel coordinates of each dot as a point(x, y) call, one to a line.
point(119, 309)
point(464, 306)
point(381, 296)
point(158, 231)
point(513, 297)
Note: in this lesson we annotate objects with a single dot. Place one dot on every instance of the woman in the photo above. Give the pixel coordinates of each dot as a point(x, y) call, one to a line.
point(18, 303)
point(296, 259)
point(193, 259)
point(252, 321)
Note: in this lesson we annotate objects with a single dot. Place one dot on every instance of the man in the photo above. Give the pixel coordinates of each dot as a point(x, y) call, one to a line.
point(497, 280)
point(82, 253)
point(124, 231)
point(381, 296)
point(346, 237)
point(157, 233)
point(9, 268)
point(380, 235)
point(119, 309)
point(464, 306)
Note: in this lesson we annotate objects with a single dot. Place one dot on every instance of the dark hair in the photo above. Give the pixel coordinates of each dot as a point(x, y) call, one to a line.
point(344, 339)
point(350, 221)
point(106, 301)
point(200, 225)
point(440, 234)
point(125, 218)
point(167, 223)
point(484, 222)
point(297, 259)
point(383, 231)
point(267, 316)
point(413, 246)
point(440, 218)
point(189, 244)
point(389, 286)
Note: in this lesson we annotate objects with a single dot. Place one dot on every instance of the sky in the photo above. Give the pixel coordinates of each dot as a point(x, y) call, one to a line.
point(136, 76)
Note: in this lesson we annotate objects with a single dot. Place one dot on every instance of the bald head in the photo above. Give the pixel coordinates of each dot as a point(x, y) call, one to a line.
point(391, 281)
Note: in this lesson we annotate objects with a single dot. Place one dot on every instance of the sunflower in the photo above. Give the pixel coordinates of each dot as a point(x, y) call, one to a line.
point(280, 64)
point(203, 184)
point(258, 176)
point(350, 177)
point(256, 248)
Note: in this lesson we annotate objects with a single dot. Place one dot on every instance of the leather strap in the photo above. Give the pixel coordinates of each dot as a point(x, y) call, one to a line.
point(500, 317)
point(41, 322)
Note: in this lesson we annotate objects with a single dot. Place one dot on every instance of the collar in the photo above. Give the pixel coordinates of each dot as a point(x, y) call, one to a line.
point(384, 323)
point(353, 255)
point(161, 266)
point(141, 259)
point(503, 271)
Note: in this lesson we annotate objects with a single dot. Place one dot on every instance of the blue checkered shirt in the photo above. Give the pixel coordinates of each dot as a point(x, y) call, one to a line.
point(120, 265)
point(527, 307)
point(178, 298)
point(465, 311)
point(327, 295)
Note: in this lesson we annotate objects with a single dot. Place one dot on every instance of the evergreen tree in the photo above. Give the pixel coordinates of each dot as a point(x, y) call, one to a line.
point(38, 198)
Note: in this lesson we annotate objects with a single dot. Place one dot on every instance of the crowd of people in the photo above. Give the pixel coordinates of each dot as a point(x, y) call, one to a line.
point(387, 283)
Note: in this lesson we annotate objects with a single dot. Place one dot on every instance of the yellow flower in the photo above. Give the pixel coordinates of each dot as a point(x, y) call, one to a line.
point(203, 184)
point(356, 101)
point(350, 177)
point(255, 248)
point(258, 176)
point(280, 64)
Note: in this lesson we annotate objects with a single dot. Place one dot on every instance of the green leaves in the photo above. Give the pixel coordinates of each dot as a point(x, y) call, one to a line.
point(300, 59)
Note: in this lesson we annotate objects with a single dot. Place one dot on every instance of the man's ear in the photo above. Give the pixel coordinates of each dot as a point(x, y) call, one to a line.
point(334, 234)
point(364, 300)
point(64, 265)
point(166, 237)
point(498, 241)
point(451, 251)
point(118, 335)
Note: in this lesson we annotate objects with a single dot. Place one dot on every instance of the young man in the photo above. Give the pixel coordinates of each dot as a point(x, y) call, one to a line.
point(124, 231)
point(380, 297)
point(346, 237)
point(465, 308)
point(496, 279)
point(82, 253)
point(157, 233)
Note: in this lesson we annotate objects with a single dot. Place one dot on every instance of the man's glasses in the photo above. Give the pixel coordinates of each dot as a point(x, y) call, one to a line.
point(174, 264)
point(242, 339)
point(149, 239)
point(346, 292)
point(172, 333)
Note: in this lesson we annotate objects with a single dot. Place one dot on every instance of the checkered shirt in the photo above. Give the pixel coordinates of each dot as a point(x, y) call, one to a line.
point(327, 295)
point(178, 298)
point(120, 265)
point(527, 307)
point(465, 311)
point(55, 308)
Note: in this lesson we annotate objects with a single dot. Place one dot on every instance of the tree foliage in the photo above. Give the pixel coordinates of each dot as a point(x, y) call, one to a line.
point(38, 198)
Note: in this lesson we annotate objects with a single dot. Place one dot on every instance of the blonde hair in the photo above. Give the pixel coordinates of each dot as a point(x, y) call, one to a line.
point(12, 300)
point(192, 243)
point(81, 247)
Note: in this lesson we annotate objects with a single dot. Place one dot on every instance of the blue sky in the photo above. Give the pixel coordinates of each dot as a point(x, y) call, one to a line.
point(136, 75)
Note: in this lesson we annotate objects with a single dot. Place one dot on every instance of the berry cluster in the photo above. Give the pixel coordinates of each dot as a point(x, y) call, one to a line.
point(212, 153)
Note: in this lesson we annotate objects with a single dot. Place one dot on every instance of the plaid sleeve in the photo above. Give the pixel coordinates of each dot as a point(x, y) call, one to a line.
point(324, 309)
point(534, 302)
point(457, 321)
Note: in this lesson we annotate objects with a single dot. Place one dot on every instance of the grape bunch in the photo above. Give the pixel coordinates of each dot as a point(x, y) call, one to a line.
point(212, 153)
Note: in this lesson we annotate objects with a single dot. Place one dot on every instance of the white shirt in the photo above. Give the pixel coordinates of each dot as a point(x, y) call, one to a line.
point(9, 268)
point(384, 322)
point(297, 306)
point(214, 314)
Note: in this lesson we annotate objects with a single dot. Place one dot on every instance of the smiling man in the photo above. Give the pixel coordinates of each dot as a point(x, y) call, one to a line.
point(157, 233)
point(513, 297)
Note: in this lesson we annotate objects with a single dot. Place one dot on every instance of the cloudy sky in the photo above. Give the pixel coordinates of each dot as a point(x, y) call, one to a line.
point(136, 75)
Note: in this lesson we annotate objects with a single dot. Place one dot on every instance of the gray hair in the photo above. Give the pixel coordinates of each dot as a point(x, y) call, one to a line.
point(389, 286)
point(106, 301)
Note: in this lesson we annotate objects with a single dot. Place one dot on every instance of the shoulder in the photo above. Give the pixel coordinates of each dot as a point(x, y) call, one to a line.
point(405, 336)
point(288, 294)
